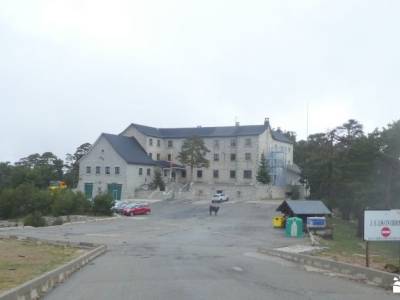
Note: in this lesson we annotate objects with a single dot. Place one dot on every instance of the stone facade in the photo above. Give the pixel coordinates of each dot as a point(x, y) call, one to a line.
point(103, 155)
point(234, 161)
point(224, 168)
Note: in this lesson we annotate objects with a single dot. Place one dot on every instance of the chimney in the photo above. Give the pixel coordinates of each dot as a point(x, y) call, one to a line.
point(266, 122)
point(237, 124)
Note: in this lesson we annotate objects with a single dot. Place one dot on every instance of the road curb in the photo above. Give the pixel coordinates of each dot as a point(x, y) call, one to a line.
point(63, 224)
point(370, 276)
point(37, 287)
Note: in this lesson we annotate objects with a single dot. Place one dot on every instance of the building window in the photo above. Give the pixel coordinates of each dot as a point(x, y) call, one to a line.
point(170, 144)
point(158, 143)
point(148, 172)
point(216, 156)
point(158, 156)
point(247, 142)
point(169, 157)
point(232, 174)
point(199, 173)
point(107, 170)
point(233, 142)
point(247, 156)
point(233, 156)
point(247, 174)
point(183, 173)
point(151, 142)
point(97, 170)
point(151, 155)
point(116, 170)
point(215, 173)
point(140, 171)
point(165, 173)
point(88, 170)
point(216, 143)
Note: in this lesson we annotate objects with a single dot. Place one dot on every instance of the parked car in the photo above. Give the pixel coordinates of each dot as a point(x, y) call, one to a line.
point(119, 207)
point(126, 207)
point(115, 206)
point(219, 197)
point(137, 209)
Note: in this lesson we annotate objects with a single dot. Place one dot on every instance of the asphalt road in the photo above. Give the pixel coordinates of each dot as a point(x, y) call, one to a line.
point(179, 252)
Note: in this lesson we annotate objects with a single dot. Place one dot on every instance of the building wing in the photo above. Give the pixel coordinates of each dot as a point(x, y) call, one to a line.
point(129, 149)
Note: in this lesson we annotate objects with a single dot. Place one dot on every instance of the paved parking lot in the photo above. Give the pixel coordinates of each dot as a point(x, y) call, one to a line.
point(180, 252)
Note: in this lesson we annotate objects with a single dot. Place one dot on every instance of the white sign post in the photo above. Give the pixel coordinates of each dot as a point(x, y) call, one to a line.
point(381, 225)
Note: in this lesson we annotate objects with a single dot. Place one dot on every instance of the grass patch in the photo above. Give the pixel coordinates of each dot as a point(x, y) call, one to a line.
point(21, 261)
point(346, 247)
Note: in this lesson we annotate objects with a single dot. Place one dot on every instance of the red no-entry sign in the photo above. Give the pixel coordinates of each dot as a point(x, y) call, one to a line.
point(385, 231)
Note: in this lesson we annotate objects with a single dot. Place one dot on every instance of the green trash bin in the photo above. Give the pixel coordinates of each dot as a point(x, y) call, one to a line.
point(294, 227)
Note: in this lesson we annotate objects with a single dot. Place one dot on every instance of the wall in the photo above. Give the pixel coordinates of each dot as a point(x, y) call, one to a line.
point(102, 154)
point(224, 165)
point(133, 132)
point(235, 192)
point(134, 180)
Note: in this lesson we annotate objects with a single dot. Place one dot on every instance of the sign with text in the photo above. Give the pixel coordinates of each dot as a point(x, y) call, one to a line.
point(382, 225)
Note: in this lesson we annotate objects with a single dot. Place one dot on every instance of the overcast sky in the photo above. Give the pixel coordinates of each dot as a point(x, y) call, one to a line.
point(70, 70)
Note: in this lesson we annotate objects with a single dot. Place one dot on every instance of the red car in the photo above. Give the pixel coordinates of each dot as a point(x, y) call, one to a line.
point(138, 209)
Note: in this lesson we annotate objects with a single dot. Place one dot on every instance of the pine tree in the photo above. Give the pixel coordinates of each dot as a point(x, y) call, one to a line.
point(193, 154)
point(157, 181)
point(262, 173)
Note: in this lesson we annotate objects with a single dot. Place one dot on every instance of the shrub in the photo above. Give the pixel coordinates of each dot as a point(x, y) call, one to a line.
point(295, 192)
point(66, 202)
point(23, 200)
point(102, 204)
point(58, 221)
point(7, 204)
point(35, 219)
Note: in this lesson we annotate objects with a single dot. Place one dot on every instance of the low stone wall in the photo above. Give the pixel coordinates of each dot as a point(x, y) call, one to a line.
point(37, 287)
point(235, 192)
point(371, 276)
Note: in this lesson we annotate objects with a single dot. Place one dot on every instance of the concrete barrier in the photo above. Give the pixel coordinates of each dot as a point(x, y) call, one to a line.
point(371, 276)
point(37, 287)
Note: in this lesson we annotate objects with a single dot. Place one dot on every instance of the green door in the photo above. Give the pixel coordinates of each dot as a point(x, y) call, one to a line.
point(115, 190)
point(89, 190)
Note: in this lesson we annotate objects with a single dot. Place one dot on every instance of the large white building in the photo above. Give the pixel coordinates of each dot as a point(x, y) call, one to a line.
point(120, 164)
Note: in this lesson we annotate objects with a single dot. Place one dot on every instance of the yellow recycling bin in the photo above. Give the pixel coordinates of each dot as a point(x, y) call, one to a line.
point(278, 221)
